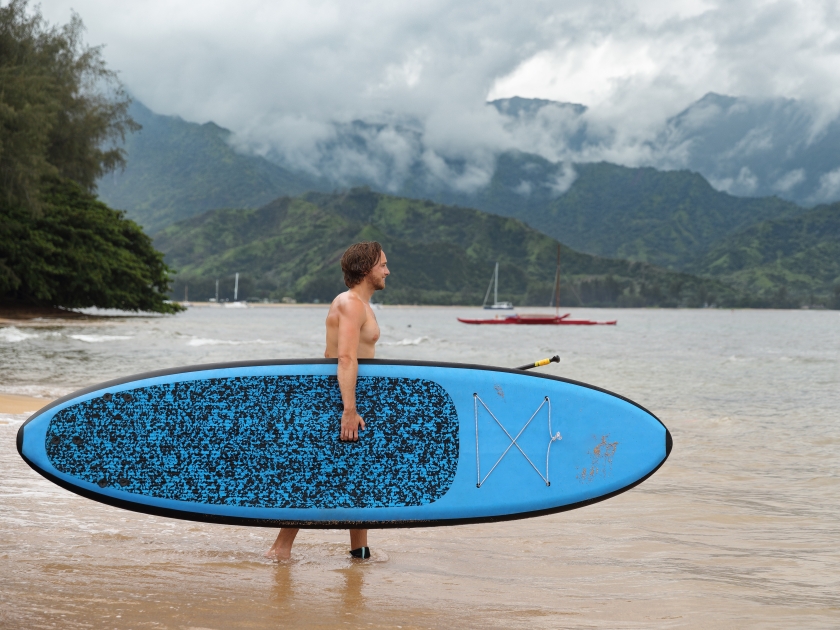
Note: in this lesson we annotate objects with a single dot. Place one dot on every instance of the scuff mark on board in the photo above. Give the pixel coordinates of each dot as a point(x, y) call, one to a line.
point(602, 459)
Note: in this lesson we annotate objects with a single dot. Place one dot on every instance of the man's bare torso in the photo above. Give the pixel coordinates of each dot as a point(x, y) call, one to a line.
point(369, 333)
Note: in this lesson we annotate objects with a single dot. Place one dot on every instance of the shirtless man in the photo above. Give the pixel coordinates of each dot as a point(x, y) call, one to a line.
point(352, 333)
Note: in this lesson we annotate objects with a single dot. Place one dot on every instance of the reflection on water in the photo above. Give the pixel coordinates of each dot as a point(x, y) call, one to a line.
point(738, 529)
point(351, 594)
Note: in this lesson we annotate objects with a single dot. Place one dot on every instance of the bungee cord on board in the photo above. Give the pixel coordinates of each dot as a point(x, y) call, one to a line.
point(553, 437)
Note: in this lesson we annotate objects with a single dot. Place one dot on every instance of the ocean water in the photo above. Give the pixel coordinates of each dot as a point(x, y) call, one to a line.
point(739, 528)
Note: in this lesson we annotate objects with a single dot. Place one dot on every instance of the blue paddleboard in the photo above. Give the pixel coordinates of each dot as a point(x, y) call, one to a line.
point(256, 443)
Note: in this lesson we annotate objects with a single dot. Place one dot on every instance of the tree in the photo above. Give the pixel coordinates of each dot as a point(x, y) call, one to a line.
point(78, 252)
point(63, 114)
point(62, 111)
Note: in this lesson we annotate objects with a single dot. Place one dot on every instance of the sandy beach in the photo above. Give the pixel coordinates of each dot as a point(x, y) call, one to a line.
point(12, 403)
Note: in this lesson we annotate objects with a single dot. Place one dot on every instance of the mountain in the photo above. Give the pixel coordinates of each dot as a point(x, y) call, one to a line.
point(667, 218)
point(756, 147)
point(438, 254)
point(177, 169)
point(786, 262)
point(743, 146)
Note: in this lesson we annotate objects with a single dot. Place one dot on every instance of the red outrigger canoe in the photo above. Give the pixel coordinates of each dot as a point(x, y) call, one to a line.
point(545, 320)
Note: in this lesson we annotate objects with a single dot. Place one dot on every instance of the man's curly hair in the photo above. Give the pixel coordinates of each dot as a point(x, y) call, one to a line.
point(358, 261)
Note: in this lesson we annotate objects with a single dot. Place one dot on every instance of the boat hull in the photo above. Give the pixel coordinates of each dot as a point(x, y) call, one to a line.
point(520, 320)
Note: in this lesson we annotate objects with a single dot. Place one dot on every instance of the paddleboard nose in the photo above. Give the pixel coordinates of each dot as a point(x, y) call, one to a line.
point(669, 442)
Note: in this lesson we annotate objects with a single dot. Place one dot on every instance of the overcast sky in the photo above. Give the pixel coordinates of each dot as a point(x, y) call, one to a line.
point(287, 68)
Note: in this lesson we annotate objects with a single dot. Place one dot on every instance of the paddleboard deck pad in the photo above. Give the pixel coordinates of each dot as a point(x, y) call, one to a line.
point(257, 443)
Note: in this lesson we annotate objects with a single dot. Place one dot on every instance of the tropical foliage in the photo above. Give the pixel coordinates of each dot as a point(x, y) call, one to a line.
point(77, 252)
point(62, 113)
point(789, 262)
point(438, 255)
point(178, 169)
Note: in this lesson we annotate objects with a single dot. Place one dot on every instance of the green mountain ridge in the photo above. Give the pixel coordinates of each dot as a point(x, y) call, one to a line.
point(177, 169)
point(784, 260)
point(671, 219)
point(668, 218)
point(438, 255)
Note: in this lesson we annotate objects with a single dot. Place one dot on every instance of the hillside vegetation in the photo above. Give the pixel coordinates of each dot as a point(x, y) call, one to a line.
point(668, 218)
point(785, 262)
point(438, 255)
point(61, 113)
point(178, 169)
point(671, 219)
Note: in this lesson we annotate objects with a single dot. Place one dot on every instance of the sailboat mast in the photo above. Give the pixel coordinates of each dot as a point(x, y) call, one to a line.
point(496, 285)
point(557, 285)
point(236, 289)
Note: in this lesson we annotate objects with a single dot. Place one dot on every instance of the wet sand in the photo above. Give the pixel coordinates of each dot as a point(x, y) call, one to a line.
point(16, 404)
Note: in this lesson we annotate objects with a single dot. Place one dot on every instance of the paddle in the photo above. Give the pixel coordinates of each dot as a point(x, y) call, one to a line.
point(541, 362)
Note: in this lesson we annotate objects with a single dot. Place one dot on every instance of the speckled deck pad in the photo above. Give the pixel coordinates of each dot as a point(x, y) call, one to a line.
point(264, 442)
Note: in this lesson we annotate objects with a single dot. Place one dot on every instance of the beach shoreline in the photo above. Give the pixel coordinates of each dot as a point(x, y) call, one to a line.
point(17, 404)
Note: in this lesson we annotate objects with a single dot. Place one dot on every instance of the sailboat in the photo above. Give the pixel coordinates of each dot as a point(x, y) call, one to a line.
point(551, 320)
point(494, 284)
point(236, 303)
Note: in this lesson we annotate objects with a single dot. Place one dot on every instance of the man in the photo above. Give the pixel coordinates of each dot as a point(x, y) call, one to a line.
point(352, 333)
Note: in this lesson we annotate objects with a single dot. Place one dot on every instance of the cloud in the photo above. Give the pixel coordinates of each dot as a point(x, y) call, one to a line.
point(829, 189)
point(789, 180)
point(744, 184)
point(563, 180)
point(291, 78)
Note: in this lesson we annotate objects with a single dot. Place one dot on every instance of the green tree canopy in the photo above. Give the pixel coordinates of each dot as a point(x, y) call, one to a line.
point(78, 252)
point(63, 115)
point(62, 111)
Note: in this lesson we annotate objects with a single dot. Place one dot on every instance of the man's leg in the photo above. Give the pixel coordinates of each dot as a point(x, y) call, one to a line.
point(282, 547)
point(358, 540)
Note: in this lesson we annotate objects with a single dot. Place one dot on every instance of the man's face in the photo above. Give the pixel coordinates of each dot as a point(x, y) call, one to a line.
point(379, 272)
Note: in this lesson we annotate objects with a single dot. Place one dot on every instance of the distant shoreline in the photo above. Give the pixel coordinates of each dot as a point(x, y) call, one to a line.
point(191, 304)
point(13, 312)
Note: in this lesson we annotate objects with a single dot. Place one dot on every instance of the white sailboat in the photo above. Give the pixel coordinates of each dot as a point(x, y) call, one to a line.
point(236, 303)
point(494, 284)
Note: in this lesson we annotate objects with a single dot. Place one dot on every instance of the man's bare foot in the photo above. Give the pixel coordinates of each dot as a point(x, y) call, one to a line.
point(282, 547)
point(279, 553)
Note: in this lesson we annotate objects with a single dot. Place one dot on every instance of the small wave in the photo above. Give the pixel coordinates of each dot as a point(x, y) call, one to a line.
point(99, 338)
point(14, 418)
point(408, 342)
point(736, 359)
point(210, 342)
point(200, 341)
point(13, 334)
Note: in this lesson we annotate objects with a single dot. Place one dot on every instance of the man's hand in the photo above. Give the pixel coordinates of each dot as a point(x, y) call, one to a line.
point(351, 424)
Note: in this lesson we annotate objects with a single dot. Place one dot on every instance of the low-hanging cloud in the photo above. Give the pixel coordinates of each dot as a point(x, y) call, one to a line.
point(293, 79)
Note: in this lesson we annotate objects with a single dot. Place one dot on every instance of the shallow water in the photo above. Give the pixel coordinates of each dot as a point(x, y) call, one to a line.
point(739, 528)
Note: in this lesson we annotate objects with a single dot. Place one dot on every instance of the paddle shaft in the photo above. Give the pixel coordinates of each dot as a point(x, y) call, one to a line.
point(540, 363)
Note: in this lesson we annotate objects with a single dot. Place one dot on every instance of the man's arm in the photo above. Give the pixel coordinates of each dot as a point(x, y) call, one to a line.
point(352, 317)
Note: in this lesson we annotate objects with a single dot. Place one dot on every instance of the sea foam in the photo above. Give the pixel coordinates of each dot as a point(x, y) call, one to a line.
point(13, 334)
